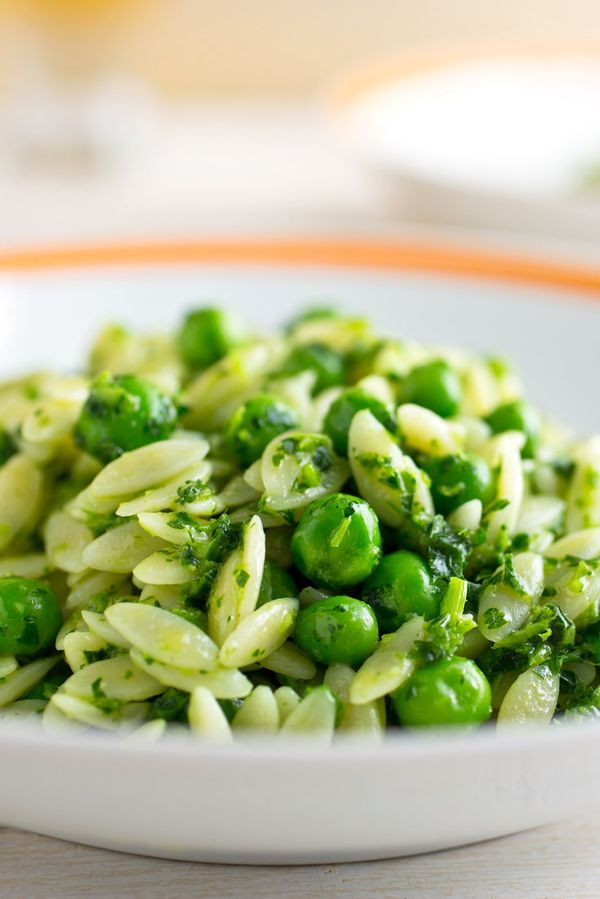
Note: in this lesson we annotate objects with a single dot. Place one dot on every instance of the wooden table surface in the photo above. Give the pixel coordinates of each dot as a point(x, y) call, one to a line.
point(561, 861)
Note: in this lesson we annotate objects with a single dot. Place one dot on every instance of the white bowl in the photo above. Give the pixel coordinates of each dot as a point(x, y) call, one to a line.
point(281, 803)
point(501, 138)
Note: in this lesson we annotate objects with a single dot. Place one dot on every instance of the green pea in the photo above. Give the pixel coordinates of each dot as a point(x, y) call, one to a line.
point(337, 542)
point(518, 416)
point(276, 583)
point(30, 616)
point(344, 408)
point(457, 479)
point(255, 424)
point(207, 335)
point(435, 386)
point(8, 447)
point(338, 629)
point(452, 691)
point(327, 365)
point(401, 586)
point(123, 413)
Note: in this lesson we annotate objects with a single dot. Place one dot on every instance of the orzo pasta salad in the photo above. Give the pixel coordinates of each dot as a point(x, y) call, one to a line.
point(317, 532)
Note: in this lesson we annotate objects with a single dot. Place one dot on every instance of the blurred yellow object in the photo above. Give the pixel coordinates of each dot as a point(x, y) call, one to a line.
point(205, 48)
point(70, 103)
point(68, 9)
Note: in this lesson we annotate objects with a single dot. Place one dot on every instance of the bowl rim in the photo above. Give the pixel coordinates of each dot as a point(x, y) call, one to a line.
point(384, 254)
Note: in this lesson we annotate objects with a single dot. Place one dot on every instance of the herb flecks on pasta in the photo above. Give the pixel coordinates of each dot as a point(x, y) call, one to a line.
point(321, 532)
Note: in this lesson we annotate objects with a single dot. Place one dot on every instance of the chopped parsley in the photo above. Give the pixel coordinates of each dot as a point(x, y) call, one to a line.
point(447, 549)
point(192, 491)
point(494, 618)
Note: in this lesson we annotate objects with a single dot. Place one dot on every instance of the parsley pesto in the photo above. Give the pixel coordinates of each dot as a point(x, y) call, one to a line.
point(323, 530)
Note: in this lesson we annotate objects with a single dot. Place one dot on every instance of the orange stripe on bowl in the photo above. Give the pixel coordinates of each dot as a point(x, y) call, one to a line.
point(351, 253)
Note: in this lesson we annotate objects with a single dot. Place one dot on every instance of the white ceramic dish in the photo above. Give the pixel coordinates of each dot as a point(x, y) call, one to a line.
point(266, 803)
point(506, 139)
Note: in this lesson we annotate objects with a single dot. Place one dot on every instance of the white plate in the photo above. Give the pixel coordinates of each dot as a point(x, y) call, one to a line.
point(266, 803)
point(498, 138)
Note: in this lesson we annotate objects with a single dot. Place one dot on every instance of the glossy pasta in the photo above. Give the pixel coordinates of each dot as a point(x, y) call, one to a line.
point(324, 532)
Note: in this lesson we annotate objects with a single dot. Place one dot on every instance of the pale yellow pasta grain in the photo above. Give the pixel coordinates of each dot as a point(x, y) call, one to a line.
point(381, 469)
point(66, 541)
point(258, 712)
point(32, 565)
point(389, 666)
point(148, 467)
point(583, 544)
point(163, 636)
point(206, 717)
point(22, 710)
point(56, 722)
point(121, 549)
point(93, 584)
point(506, 454)
point(150, 732)
point(426, 432)
point(224, 683)
point(116, 678)
point(583, 497)
point(367, 720)
point(160, 524)
point(260, 634)
point(540, 512)
point(253, 477)
point(167, 596)
point(91, 509)
point(480, 389)
point(99, 626)
point(467, 516)
point(236, 492)
point(21, 497)
point(217, 392)
point(287, 699)
point(24, 679)
point(337, 333)
point(314, 715)
point(280, 470)
point(531, 700)
point(50, 421)
point(511, 606)
point(296, 392)
point(164, 497)
point(234, 593)
point(78, 644)
point(8, 664)
point(291, 662)
point(125, 718)
point(162, 568)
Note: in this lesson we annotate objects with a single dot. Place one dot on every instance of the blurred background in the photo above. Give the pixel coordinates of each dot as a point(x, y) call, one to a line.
point(146, 118)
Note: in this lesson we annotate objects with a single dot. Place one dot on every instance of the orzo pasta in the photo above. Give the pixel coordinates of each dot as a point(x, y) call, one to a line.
point(320, 532)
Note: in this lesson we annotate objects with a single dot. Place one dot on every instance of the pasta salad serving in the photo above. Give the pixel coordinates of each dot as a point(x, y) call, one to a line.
point(319, 532)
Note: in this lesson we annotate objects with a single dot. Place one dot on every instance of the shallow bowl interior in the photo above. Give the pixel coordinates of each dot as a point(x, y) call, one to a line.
point(266, 803)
